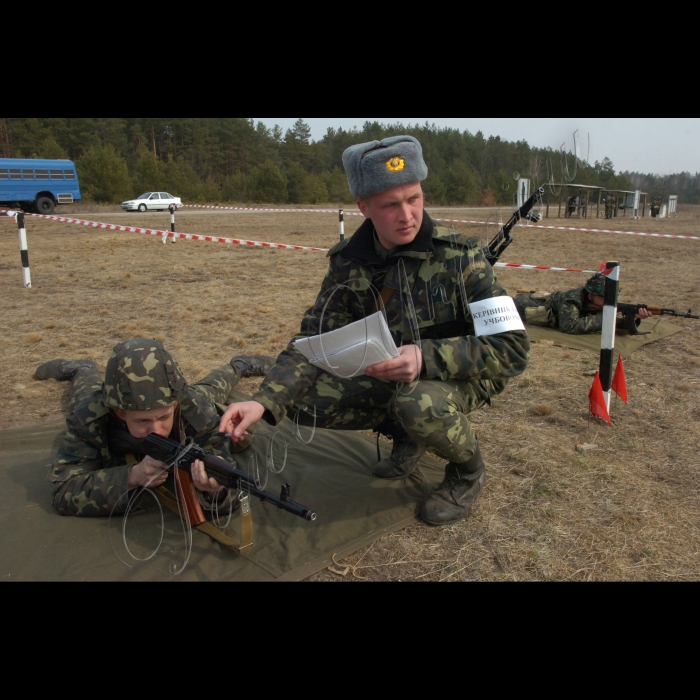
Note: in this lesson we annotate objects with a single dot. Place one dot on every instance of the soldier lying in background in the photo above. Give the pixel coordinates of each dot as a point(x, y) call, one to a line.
point(576, 311)
point(143, 392)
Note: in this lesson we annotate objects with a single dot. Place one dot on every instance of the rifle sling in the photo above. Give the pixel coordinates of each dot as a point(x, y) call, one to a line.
point(384, 295)
point(168, 500)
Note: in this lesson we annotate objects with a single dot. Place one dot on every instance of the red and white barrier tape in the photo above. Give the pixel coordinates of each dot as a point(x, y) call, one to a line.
point(237, 241)
point(184, 236)
point(276, 211)
point(605, 230)
point(455, 221)
point(544, 267)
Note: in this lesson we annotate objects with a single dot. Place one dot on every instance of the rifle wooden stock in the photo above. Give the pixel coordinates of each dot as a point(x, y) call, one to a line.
point(188, 497)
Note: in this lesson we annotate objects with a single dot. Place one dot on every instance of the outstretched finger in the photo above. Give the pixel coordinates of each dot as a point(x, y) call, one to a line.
point(227, 423)
point(239, 432)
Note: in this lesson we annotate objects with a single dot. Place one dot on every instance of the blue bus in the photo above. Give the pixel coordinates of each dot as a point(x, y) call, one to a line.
point(38, 185)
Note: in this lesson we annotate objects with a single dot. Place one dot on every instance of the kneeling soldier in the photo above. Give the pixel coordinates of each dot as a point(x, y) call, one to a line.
point(427, 276)
point(143, 392)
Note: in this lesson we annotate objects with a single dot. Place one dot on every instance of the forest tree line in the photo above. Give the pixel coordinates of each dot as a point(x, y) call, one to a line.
point(236, 160)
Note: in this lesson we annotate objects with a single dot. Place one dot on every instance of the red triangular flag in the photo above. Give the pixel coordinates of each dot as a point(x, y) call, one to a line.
point(597, 399)
point(619, 382)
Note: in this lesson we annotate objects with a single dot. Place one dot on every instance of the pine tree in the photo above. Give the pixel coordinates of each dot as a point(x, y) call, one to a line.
point(461, 186)
point(267, 185)
point(298, 183)
point(104, 177)
point(234, 188)
point(297, 145)
point(5, 142)
point(49, 148)
point(337, 186)
point(201, 157)
point(182, 181)
point(317, 191)
point(147, 172)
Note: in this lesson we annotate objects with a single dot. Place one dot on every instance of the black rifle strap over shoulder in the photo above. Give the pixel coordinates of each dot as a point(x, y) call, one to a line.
point(384, 295)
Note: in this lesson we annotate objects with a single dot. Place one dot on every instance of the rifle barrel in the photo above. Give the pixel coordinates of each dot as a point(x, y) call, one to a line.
point(226, 473)
point(229, 475)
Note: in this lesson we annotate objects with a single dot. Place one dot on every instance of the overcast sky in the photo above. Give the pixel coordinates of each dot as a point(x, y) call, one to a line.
point(654, 145)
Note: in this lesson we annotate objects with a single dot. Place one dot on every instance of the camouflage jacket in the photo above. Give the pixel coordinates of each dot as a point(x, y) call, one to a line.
point(91, 469)
point(433, 277)
point(570, 312)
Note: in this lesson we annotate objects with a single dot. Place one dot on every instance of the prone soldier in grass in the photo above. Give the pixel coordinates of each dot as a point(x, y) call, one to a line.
point(426, 277)
point(143, 392)
point(575, 311)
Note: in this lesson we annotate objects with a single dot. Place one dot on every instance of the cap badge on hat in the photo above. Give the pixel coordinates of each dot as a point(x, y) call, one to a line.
point(396, 165)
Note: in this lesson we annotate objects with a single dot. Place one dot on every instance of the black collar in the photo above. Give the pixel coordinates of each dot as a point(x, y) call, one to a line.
point(361, 246)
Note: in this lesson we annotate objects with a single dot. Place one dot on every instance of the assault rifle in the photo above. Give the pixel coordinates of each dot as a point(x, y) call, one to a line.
point(629, 312)
point(503, 239)
point(226, 473)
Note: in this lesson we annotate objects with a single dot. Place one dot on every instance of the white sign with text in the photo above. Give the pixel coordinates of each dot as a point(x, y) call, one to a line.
point(497, 315)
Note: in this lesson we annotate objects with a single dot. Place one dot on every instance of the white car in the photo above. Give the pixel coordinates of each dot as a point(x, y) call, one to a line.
point(152, 201)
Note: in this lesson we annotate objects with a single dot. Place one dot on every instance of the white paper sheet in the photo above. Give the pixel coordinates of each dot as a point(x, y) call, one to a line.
point(348, 351)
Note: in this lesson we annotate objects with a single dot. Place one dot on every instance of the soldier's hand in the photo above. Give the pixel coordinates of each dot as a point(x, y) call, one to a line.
point(239, 417)
point(644, 313)
point(202, 482)
point(149, 473)
point(405, 368)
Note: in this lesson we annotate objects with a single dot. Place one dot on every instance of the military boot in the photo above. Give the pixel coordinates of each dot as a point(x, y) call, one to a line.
point(405, 453)
point(63, 370)
point(253, 365)
point(457, 493)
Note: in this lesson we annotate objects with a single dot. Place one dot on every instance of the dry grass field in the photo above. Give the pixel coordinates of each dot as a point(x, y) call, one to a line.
point(627, 510)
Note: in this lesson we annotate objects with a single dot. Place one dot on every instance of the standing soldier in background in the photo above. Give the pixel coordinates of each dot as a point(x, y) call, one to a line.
point(609, 206)
point(655, 206)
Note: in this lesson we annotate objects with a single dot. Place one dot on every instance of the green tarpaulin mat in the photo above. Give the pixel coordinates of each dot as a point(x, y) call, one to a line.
point(331, 475)
point(650, 331)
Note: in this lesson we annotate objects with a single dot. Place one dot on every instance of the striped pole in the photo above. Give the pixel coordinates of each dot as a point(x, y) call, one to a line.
point(172, 226)
point(607, 345)
point(24, 253)
point(341, 215)
point(172, 222)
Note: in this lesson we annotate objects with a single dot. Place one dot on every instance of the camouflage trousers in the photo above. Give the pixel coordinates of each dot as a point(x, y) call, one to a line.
point(433, 412)
point(533, 311)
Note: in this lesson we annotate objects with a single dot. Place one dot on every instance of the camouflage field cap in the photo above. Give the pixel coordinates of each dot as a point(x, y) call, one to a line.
point(596, 285)
point(142, 375)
